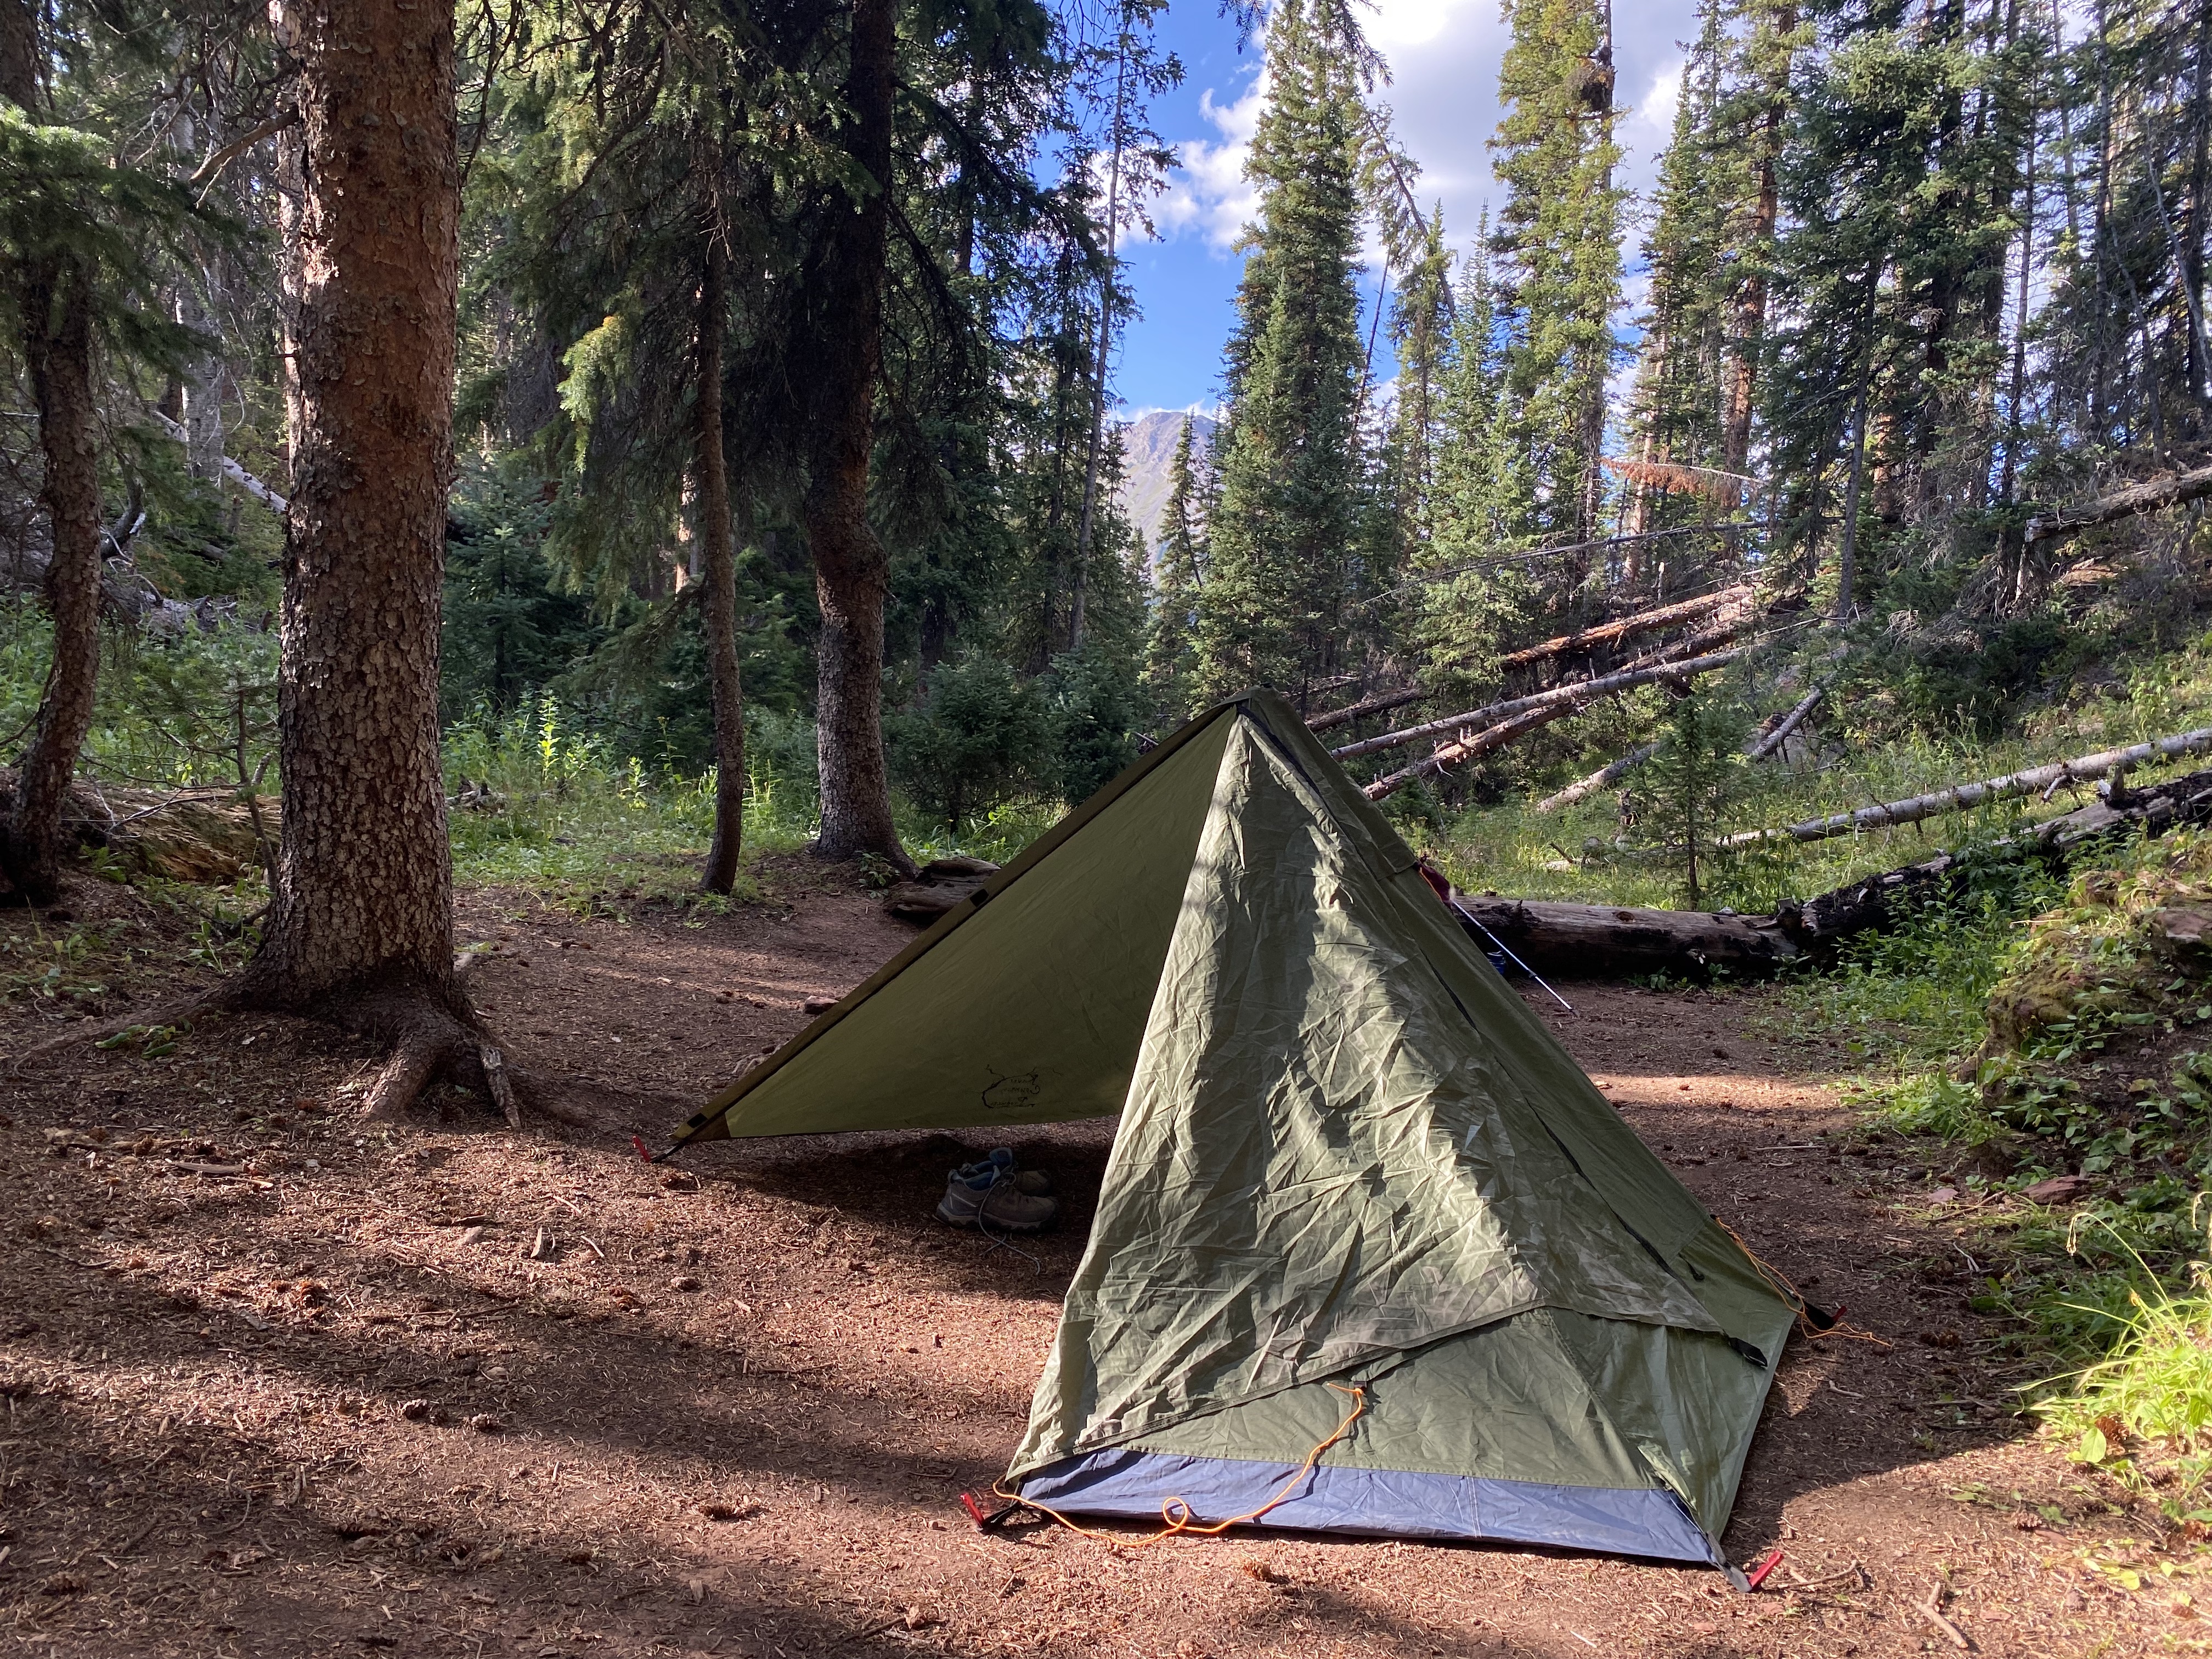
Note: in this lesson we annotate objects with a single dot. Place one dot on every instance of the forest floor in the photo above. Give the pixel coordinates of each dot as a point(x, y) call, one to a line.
point(279, 1382)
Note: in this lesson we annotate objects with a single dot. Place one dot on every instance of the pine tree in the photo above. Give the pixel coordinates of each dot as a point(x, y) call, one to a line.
point(1903, 162)
point(1421, 332)
point(1676, 413)
point(361, 920)
point(1279, 570)
point(1179, 568)
point(1558, 240)
point(1691, 782)
point(79, 226)
point(1473, 593)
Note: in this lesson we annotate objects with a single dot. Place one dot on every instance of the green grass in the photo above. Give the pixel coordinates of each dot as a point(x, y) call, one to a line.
point(569, 819)
point(2145, 1412)
point(549, 807)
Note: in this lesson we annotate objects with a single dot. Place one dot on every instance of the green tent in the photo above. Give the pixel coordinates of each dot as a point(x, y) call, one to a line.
point(1353, 1169)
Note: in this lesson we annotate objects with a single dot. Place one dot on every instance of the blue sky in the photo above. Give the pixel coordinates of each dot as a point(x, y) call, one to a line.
point(1443, 56)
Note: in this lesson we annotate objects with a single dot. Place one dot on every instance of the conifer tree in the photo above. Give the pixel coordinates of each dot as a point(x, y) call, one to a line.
point(1675, 417)
point(1471, 592)
point(1557, 239)
point(1179, 572)
point(1279, 567)
point(1421, 332)
point(82, 225)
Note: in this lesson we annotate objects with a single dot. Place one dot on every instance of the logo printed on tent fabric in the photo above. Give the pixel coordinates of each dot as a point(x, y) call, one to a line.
point(1013, 1094)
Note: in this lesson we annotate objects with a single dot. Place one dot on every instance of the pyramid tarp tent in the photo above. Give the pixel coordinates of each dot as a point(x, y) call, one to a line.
point(1350, 1158)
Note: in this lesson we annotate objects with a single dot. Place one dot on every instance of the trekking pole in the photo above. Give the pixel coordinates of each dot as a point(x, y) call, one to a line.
point(1470, 918)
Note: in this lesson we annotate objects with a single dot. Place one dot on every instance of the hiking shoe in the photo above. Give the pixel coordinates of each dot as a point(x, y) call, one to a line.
point(986, 1196)
point(1036, 1183)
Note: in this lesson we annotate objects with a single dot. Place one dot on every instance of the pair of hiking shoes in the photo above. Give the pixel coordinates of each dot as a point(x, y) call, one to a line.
point(995, 1196)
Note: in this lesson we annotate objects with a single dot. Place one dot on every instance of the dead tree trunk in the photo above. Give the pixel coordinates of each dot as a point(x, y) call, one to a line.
point(1961, 797)
point(54, 300)
point(1599, 778)
point(1604, 941)
point(720, 608)
point(852, 576)
point(1357, 711)
point(1665, 615)
point(2170, 490)
point(231, 470)
point(1771, 741)
point(1575, 690)
point(359, 926)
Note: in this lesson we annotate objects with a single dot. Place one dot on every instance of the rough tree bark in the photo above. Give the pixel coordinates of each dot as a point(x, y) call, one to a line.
point(54, 292)
point(852, 577)
point(359, 927)
point(719, 573)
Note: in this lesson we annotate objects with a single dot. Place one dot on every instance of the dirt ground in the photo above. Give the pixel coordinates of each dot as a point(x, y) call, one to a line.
point(278, 1382)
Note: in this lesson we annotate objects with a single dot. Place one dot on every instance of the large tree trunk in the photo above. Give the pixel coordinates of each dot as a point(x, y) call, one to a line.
point(55, 292)
point(719, 573)
point(360, 925)
point(1602, 941)
point(58, 348)
point(852, 577)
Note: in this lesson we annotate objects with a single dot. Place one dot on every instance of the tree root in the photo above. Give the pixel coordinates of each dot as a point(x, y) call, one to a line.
point(430, 1044)
point(433, 1043)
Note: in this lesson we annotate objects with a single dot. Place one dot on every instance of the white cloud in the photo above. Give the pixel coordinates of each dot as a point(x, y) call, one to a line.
point(1443, 57)
point(1209, 192)
point(1650, 124)
point(1409, 22)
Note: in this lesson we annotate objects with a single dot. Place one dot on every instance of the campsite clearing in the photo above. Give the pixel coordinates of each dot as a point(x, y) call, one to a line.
point(278, 1384)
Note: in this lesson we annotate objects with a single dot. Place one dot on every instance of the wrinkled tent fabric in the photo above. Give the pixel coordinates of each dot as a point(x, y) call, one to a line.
point(1349, 1155)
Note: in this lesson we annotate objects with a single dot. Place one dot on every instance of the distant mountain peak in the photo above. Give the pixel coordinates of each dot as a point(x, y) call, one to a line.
point(1148, 446)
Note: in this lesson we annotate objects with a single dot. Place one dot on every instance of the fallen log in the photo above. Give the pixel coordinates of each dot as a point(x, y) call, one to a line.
point(1761, 749)
point(1604, 685)
point(201, 836)
point(1382, 705)
point(1537, 712)
point(1788, 723)
point(1962, 796)
point(1601, 941)
point(1643, 622)
point(1598, 780)
point(1820, 924)
point(937, 887)
point(2148, 497)
point(231, 470)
